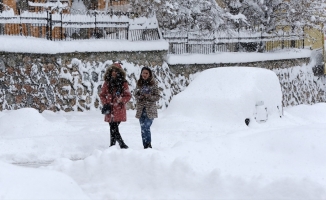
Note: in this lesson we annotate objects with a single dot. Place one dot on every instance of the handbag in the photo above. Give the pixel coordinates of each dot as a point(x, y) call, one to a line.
point(106, 109)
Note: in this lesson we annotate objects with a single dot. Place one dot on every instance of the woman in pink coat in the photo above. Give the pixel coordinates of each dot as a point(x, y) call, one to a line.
point(115, 92)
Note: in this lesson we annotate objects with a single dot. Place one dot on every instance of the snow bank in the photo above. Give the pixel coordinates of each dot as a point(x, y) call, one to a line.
point(42, 46)
point(226, 97)
point(236, 57)
point(26, 183)
point(24, 123)
point(29, 136)
point(128, 174)
point(281, 159)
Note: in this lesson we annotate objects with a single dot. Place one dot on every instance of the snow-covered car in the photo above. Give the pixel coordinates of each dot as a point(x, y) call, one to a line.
point(229, 96)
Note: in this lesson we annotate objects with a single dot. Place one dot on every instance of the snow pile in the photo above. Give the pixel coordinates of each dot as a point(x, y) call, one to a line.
point(117, 174)
point(280, 159)
point(42, 46)
point(26, 135)
point(24, 122)
point(236, 57)
point(37, 184)
point(227, 96)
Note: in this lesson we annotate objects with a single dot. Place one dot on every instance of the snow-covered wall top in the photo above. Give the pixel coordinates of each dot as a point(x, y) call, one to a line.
point(35, 45)
point(42, 46)
point(236, 57)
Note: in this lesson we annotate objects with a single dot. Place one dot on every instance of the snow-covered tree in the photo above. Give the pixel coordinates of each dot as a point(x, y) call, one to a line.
point(254, 10)
point(272, 13)
point(186, 14)
point(234, 6)
point(78, 7)
point(307, 12)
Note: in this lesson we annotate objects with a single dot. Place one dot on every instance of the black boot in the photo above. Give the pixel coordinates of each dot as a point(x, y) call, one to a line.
point(121, 142)
point(115, 134)
point(112, 139)
point(123, 145)
point(112, 143)
point(149, 145)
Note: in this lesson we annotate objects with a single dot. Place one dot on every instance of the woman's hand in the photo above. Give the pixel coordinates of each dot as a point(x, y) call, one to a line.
point(144, 96)
point(119, 99)
point(147, 95)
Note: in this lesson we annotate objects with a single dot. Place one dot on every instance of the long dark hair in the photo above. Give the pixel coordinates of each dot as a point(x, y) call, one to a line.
point(150, 81)
point(115, 83)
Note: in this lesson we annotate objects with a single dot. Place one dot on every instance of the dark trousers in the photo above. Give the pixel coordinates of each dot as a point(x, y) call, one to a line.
point(115, 134)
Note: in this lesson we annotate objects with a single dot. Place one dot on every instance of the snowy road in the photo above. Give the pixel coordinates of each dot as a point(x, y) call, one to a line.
point(280, 158)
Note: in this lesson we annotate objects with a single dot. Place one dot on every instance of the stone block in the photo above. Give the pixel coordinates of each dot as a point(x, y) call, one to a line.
point(28, 88)
point(10, 99)
point(2, 66)
point(11, 62)
point(10, 70)
point(53, 81)
point(20, 98)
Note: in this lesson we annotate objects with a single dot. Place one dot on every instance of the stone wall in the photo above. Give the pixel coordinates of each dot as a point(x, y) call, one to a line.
point(300, 86)
point(68, 81)
point(72, 81)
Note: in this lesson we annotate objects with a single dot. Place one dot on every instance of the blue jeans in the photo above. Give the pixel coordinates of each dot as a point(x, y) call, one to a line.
point(145, 125)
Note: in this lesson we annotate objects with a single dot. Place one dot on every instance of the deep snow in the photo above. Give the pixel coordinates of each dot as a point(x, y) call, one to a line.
point(205, 158)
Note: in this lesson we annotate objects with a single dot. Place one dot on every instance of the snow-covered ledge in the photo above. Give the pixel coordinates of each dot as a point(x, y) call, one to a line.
point(237, 57)
point(19, 44)
point(189, 64)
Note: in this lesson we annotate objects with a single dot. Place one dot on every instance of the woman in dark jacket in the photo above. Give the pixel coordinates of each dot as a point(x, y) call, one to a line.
point(147, 94)
point(115, 92)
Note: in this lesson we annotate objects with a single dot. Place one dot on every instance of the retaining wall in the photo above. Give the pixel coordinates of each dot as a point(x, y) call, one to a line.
point(72, 81)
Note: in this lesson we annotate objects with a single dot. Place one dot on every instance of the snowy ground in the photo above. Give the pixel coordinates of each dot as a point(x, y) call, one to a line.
point(205, 158)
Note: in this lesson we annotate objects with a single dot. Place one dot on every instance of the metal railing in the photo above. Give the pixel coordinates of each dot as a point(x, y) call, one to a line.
point(60, 26)
point(212, 43)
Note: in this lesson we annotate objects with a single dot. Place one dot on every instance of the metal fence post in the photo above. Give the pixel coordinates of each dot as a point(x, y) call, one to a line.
point(261, 41)
point(303, 37)
point(61, 27)
point(95, 29)
point(128, 30)
point(20, 23)
point(187, 43)
point(47, 25)
point(50, 31)
point(283, 40)
point(214, 38)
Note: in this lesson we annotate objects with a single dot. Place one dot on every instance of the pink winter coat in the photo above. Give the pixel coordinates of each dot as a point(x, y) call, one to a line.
point(119, 113)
